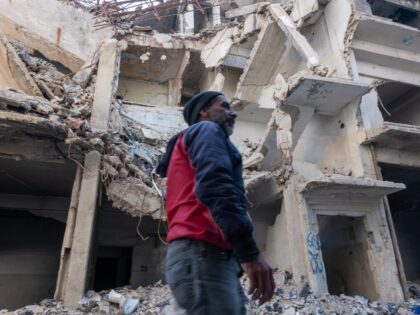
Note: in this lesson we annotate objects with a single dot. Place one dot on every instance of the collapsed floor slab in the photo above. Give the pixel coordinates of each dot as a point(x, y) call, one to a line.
point(395, 136)
point(300, 200)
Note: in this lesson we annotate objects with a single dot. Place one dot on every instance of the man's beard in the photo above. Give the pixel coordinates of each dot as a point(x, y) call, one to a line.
point(224, 122)
point(228, 128)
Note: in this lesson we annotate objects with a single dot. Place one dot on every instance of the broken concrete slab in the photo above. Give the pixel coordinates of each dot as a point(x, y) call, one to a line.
point(394, 136)
point(10, 98)
point(387, 50)
point(327, 33)
point(309, 95)
point(298, 40)
point(345, 187)
point(30, 124)
point(14, 70)
point(293, 54)
point(404, 158)
point(258, 72)
point(327, 96)
point(134, 197)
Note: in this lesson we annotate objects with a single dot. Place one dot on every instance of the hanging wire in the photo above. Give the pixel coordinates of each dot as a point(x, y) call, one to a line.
point(162, 205)
point(138, 230)
point(383, 106)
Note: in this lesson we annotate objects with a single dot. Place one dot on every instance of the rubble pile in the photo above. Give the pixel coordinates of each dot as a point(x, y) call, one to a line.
point(61, 87)
point(130, 156)
point(131, 150)
point(291, 297)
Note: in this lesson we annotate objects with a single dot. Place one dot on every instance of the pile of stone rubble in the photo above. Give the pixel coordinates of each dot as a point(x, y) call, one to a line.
point(62, 108)
point(290, 298)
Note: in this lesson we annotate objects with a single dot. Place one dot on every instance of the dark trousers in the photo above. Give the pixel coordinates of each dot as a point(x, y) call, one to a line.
point(204, 279)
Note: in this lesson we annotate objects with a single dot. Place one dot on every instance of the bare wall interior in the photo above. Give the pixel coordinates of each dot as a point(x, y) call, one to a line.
point(405, 210)
point(344, 251)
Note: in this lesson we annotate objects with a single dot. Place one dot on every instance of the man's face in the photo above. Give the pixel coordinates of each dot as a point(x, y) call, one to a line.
point(220, 113)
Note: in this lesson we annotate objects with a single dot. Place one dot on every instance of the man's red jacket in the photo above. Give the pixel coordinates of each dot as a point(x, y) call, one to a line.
point(205, 197)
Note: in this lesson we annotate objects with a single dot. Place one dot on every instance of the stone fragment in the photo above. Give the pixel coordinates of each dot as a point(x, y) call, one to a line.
point(74, 123)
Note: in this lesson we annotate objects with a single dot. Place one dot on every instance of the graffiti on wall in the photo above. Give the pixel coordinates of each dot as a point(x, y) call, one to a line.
point(314, 250)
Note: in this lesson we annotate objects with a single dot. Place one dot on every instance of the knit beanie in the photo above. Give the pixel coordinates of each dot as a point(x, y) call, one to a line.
point(193, 107)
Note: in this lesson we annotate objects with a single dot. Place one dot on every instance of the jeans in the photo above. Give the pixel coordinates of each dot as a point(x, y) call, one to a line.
point(204, 279)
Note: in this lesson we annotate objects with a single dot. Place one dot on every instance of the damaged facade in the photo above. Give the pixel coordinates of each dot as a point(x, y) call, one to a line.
point(328, 126)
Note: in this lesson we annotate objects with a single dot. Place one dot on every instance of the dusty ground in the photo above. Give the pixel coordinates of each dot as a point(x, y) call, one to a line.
point(290, 298)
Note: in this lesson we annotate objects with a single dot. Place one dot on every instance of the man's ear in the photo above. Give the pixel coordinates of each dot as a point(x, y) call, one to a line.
point(204, 113)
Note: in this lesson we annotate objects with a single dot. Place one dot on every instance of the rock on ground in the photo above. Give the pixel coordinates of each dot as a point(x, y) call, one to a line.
point(290, 298)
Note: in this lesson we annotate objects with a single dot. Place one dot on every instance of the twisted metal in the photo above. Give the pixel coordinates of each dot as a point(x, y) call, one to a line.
point(113, 12)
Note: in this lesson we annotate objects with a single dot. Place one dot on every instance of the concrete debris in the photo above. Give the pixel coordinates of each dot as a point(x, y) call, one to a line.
point(69, 103)
point(330, 163)
point(16, 68)
point(11, 99)
point(291, 297)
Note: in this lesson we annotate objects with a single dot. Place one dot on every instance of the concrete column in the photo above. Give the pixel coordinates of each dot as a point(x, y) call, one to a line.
point(78, 265)
point(68, 237)
point(106, 84)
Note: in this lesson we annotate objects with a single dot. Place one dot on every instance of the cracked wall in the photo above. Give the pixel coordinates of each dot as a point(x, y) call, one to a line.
point(297, 74)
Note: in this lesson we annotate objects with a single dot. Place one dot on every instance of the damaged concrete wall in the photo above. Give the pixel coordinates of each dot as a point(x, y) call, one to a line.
point(303, 79)
point(65, 33)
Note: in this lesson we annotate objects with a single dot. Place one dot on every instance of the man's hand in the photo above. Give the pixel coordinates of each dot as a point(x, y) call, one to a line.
point(261, 279)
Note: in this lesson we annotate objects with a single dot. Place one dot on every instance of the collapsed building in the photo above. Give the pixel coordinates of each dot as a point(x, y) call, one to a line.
point(326, 95)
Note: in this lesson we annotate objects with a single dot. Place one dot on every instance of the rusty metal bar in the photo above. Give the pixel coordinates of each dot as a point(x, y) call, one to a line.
point(111, 12)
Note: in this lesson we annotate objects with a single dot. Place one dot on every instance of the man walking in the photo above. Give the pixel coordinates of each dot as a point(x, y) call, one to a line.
point(209, 228)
